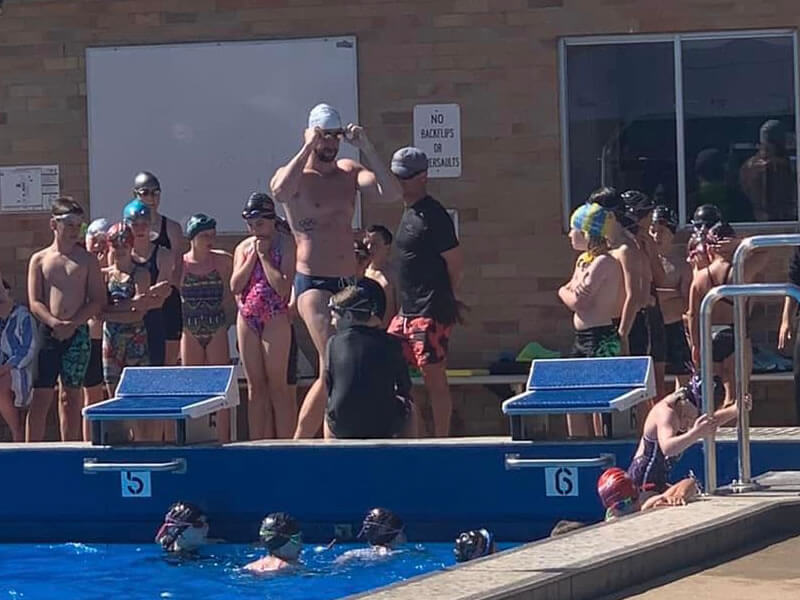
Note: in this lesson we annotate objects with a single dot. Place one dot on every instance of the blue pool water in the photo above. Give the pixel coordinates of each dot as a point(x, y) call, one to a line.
point(134, 572)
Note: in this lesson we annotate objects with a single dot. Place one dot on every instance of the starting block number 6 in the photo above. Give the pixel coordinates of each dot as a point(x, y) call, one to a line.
point(561, 481)
point(135, 484)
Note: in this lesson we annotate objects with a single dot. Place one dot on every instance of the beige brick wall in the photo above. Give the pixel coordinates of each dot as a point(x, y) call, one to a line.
point(496, 58)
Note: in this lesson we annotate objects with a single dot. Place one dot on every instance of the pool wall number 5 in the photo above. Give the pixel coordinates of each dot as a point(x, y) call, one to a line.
point(561, 481)
point(135, 484)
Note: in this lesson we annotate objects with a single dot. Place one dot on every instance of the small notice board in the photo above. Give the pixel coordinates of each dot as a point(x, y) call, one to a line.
point(437, 131)
point(28, 188)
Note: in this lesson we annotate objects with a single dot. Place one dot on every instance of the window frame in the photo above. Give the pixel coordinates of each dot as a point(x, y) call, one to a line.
point(677, 40)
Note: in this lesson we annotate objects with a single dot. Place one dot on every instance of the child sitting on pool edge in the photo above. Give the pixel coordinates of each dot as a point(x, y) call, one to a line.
point(281, 534)
point(369, 389)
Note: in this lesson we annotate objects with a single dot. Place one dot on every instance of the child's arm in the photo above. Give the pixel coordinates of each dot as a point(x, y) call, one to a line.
point(626, 260)
point(672, 444)
point(731, 412)
point(242, 265)
point(95, 300)
point(695, 297)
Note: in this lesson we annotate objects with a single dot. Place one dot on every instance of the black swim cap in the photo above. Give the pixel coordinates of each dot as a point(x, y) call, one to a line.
point(693, 391)
point(178, 519)
point(705, 216)
point(146, 181)
point(637, 204)
point(381, 526)
point(277, 529)
point(259, 205)
point(373, 292)
point(664, 215)
point(720, 231)
point(473, 544)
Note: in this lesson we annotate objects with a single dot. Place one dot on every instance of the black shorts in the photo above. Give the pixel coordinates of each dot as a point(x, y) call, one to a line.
point(173, 316)
point(638, 337)
point(722, 343)
point(94, 372)
point(679, 357)
point(291, 367)
point(595, 342)
point(393, 425)
point(656, 334)
point(62, 360)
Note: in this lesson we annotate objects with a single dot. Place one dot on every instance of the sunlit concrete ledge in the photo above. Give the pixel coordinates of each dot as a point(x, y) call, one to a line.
point(605, 558)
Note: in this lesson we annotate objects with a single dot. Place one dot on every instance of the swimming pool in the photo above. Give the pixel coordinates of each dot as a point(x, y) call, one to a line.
point(84, 572)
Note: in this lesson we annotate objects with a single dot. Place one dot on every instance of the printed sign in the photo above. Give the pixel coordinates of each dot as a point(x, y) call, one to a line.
point(135, 484)
point(561, 481)
point(28, 188)
point(437, 131)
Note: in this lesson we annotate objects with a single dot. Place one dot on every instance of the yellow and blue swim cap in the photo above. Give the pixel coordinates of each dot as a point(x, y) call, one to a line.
point(592, 219)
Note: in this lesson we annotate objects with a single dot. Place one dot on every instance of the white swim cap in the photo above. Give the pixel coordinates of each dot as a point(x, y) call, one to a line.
point(325, 117)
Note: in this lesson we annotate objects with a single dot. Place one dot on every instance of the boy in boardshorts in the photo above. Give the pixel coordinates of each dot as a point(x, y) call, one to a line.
point(65, 289)
point(594, 295)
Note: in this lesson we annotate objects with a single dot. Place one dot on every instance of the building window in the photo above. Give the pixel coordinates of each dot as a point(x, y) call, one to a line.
point(688, 119)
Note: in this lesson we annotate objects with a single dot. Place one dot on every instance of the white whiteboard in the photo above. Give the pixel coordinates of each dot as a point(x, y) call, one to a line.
point(212, 120)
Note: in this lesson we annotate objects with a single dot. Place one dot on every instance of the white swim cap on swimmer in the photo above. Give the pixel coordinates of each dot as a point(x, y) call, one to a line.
point(325, 117)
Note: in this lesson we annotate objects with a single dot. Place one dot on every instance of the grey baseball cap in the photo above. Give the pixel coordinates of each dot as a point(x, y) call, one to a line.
point(408, 162)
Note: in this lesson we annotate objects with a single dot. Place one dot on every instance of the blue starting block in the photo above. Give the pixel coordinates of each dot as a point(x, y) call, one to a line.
point(610, 386)
point(189, 396)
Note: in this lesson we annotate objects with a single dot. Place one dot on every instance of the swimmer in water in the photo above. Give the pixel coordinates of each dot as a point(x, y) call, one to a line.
point(281, 534)
point(383, 531)
point(474, 544)
point(184, 530)
point(621, 497)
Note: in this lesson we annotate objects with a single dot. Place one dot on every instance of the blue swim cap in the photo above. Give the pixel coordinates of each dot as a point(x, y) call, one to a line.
point(198, 223)
point(592, 219)
point(135, 210)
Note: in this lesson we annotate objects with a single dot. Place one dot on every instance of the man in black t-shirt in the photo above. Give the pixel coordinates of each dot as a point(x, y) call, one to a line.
point(430, 265)
point(369, 390)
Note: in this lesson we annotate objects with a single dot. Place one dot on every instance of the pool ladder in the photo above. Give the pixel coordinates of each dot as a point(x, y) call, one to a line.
point(739, 291)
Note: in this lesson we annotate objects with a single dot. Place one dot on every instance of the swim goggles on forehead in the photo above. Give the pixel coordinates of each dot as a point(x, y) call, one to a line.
point(183, 525)
point(69, 218)
point(258, 214)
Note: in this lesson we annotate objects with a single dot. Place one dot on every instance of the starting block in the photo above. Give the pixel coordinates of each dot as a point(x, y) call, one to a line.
point(189, 396)
point(610, 386)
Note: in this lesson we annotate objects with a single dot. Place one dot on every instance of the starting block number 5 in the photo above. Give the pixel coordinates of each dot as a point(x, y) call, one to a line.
point(135, 484)
point(561, 481)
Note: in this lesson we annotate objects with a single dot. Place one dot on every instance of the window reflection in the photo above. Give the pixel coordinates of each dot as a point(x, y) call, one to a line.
point(621, 119)
point(739, 124)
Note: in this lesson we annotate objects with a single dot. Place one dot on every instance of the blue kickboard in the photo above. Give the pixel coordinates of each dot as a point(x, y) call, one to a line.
point(155, 406)
point(589, 373)
point(175, 381)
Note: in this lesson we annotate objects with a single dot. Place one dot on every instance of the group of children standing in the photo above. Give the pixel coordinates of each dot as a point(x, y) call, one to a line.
point(124, 294)
point(635, 292)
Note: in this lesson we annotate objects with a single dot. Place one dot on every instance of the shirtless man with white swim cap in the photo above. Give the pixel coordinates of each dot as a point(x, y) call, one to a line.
point(319, 193)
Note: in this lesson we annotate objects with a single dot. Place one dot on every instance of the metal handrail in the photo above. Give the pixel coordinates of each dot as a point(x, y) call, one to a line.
point(177, 466)
point(513, 462)
point(742, 373)
point(707, 373)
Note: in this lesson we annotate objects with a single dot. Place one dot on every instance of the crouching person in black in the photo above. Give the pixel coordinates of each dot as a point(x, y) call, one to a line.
point(369, 389)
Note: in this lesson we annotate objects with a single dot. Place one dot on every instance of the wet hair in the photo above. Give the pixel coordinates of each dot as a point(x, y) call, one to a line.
point(607, 197)
point(380, 527)
point(381, 230)
point(277, 529)
point(178, 519)
point(65, 206)
point(470, 545)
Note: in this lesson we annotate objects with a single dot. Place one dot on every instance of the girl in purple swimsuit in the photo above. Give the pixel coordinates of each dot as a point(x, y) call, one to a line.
point(263, 270)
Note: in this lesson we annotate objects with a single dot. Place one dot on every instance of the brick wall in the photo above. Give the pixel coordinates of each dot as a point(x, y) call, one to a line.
point(496, 58)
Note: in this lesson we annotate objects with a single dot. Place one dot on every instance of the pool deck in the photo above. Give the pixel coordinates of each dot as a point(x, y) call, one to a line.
point(605, 558)
point(765, 572)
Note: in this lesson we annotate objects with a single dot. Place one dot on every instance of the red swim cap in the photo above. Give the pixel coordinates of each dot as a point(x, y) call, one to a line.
point(614, 486)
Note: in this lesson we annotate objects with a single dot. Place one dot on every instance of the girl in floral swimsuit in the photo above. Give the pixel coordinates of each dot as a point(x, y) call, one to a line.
point(263, 270)
point(205, 293)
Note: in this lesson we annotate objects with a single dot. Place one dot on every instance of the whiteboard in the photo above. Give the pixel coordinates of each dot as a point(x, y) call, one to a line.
point(212, 120)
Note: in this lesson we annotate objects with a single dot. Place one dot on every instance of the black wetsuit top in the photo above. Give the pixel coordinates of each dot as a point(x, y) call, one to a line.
point(365, 374)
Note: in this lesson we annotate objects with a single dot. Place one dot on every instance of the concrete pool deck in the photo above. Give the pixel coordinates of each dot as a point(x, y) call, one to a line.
point(605, 558)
